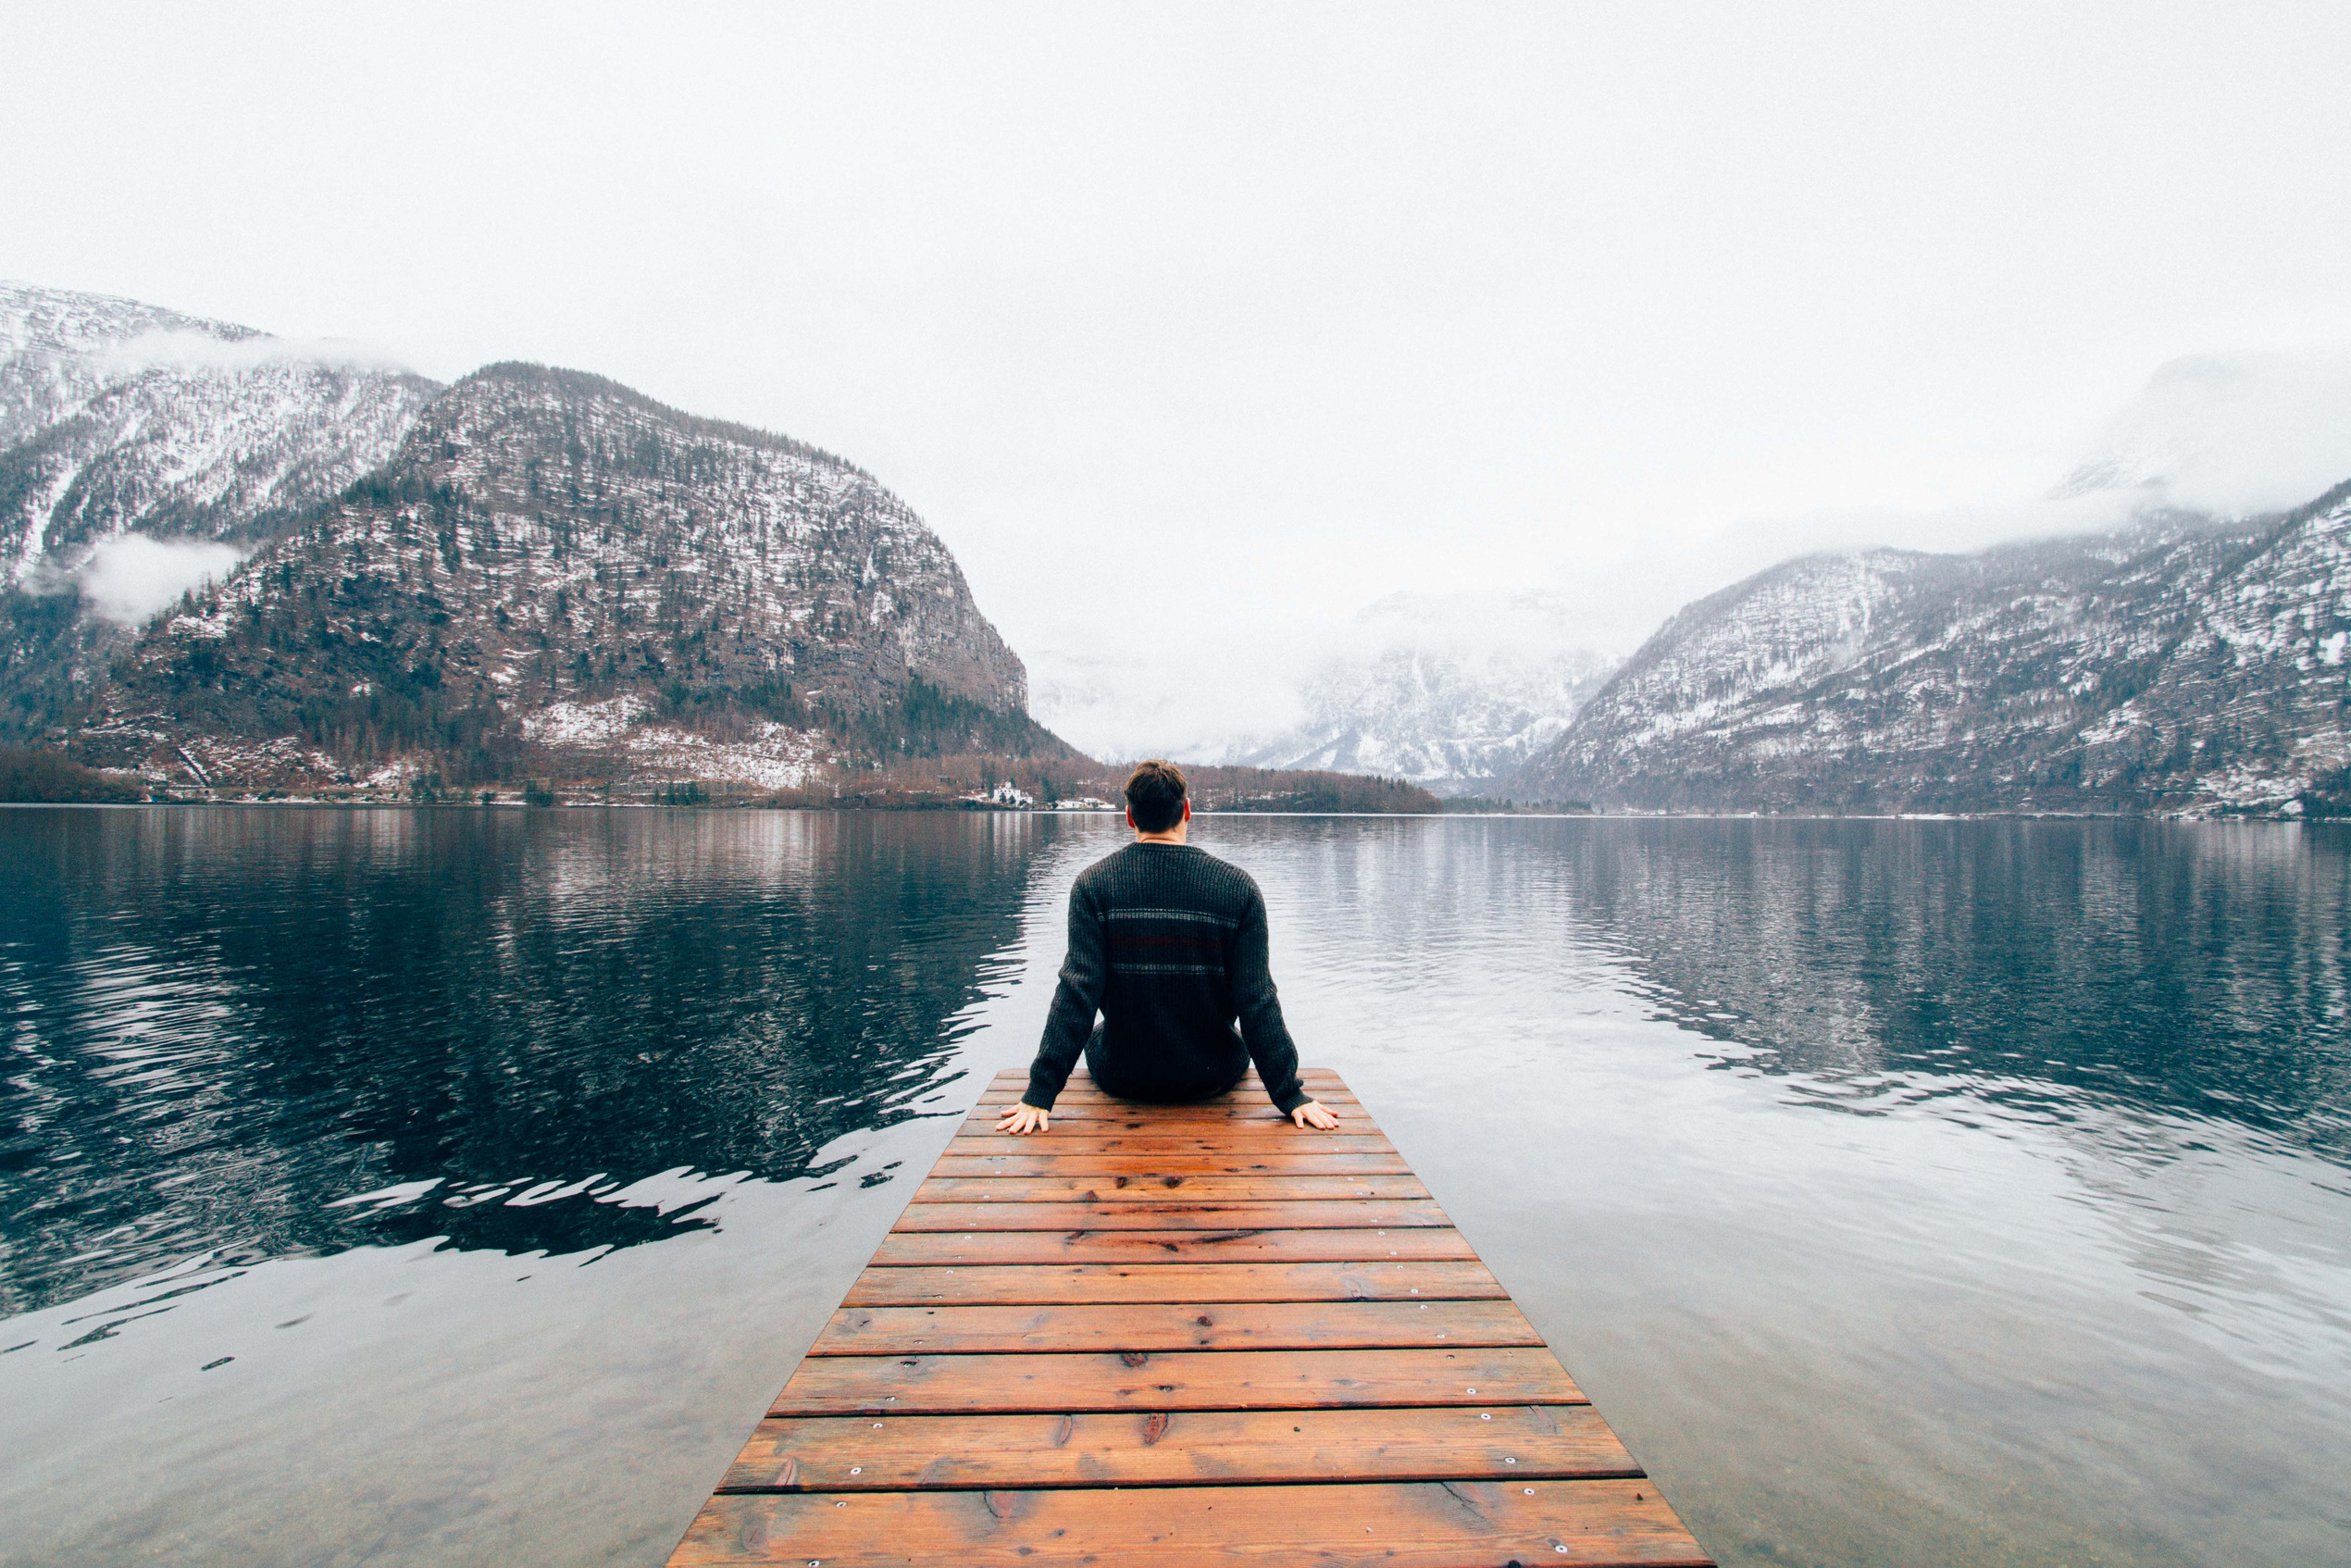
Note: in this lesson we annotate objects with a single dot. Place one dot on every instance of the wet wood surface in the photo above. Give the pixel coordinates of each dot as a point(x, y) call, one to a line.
point(1173, 1209)
point(1148, 1186)
point(1175, 1282)
point(1173, 1380)
point(1221, 1325)
point(1446, 1524)
point(902, 1249)
point(1181, 1335)
point(850, 1453)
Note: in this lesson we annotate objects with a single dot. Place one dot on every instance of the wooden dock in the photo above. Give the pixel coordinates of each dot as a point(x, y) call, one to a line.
point(1164, 1337)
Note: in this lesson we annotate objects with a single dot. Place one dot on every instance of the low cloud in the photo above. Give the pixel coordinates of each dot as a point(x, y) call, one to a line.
point(131, 578)
point(192, 350)
point(1197, 701)
point(1225, 698)
point(2230, 433)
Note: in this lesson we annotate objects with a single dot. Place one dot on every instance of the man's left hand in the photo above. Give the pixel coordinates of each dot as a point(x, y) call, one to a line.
point(1314, 1113)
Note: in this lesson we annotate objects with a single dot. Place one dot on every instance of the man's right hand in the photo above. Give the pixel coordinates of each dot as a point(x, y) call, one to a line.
point(1024, 1119)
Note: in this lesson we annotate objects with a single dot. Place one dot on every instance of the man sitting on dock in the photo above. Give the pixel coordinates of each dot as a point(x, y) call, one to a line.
point(1169, 944)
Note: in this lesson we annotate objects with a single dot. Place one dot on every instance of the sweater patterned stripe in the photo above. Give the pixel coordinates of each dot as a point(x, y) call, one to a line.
point(1192, 915)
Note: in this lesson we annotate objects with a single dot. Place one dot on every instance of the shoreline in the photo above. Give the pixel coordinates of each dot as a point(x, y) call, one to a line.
point(249, 803)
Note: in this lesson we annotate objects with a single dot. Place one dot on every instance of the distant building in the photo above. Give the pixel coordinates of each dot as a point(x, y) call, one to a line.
point(1011, 794)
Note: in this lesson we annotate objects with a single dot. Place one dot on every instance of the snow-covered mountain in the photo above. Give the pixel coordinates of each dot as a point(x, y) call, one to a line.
point(117, 416)
point(2183, 662)
point(554, 574)
point(142, 452)
point(1448, 690)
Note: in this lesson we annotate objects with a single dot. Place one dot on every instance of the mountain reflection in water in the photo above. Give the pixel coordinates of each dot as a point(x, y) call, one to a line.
point(502, 1028)
point(1957, 1194)
point(2035, 965)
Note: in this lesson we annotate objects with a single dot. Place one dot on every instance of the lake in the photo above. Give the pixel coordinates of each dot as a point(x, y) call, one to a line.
point(455, 1185)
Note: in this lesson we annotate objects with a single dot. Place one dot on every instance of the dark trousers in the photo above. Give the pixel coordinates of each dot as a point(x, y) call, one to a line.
point(1132, 1081)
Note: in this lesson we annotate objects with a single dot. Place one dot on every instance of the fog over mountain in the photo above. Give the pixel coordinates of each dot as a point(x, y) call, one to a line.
point(1448, 690)
point(116, 415)
point(1428, 685)
point(143, 452)
point(231, 555)
point(2232, 434)
point(2189, 653)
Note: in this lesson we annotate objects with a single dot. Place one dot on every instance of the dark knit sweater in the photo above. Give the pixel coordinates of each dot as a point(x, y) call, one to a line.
point(1169, 944)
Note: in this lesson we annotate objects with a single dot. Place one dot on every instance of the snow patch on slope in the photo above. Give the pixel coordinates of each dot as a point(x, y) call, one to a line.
point(585, 724)
point(773, 756)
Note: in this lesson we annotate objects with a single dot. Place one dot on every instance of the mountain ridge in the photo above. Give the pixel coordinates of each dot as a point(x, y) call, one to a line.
point(556, 572)
point(229, 558)
point(2092, 672)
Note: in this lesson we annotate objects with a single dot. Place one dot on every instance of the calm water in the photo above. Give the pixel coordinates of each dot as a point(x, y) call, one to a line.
point(456, 1186)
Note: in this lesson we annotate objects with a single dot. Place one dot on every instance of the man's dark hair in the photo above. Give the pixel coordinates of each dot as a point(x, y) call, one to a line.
point(1155, 795)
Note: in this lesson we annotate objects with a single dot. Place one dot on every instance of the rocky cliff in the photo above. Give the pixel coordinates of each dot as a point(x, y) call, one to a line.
point(2184, 662)
point(553, 574)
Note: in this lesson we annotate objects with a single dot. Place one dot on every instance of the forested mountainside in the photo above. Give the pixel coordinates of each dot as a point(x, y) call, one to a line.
point(118, 416)
point(2181, 664)
point(556, 575)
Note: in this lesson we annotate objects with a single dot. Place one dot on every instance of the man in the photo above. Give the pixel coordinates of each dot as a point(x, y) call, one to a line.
point(1169, 944)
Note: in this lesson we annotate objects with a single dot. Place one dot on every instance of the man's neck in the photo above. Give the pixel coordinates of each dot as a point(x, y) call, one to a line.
point(1173, 836)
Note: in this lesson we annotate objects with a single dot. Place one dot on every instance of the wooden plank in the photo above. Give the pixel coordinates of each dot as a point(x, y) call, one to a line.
point(1029, 1163)
point(1191, 1448)
point(907, 1248)
point(1173, 1380)
point(1177, 1335)
point(1122, 1187)
point(1178, 1282)
point(1174, 1211)
point(1196, 1325)
point(1451, 1525)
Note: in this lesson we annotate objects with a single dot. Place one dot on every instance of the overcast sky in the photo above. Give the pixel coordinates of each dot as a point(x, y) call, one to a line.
point(1193, 326)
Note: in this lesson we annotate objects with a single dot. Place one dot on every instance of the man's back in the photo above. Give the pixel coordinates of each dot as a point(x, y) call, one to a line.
point(1169, 944)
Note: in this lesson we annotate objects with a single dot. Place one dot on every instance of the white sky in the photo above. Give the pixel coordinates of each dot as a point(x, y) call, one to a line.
point(1201, 327)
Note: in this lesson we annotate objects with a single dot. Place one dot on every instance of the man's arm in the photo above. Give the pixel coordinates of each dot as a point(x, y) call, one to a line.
point(1260, 1010)
point(1075, 1001)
